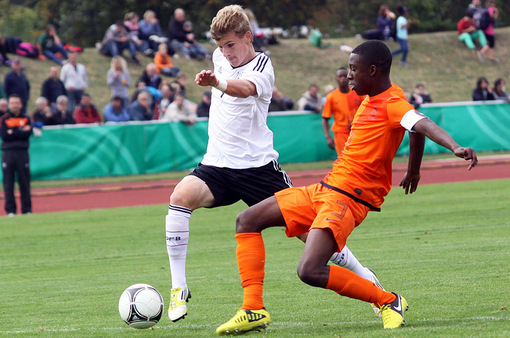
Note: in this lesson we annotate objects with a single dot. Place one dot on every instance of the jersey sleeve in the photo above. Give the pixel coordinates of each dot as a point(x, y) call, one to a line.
point(326, 111)
point(397, 108)
point(261, 74)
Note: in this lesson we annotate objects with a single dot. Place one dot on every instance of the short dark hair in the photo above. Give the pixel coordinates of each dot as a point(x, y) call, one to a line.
point(116, 98)
point(402, 10)
point(375, 52)
point(15, 96)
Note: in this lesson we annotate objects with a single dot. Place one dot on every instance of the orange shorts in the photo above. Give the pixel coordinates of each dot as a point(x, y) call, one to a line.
point(340, 139)
point(316, 206)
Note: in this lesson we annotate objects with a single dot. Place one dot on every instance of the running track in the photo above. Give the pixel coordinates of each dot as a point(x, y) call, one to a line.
point(158, 192)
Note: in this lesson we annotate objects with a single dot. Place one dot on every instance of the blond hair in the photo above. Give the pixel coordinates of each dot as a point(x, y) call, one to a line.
point(230, 19)
point(123, 63)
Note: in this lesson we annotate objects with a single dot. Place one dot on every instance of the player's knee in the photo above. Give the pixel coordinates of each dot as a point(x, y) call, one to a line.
point(307, 274)
point(245, 222)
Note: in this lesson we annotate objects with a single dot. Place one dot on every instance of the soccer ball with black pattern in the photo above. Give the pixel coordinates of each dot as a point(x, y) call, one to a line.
point(141, 306)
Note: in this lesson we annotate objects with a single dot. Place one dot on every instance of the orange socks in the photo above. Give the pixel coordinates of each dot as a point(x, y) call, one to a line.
point(347, 283)
point(251, 256)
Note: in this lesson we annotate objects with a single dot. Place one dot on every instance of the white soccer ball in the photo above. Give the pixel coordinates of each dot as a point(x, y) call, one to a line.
point(141, 306)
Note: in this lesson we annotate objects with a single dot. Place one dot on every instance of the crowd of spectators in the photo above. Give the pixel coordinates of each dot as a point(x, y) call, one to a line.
point(154, 95)
point(159, 93)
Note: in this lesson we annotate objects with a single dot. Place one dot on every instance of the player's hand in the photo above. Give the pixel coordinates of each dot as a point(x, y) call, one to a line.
point(410, 182)
point(467, 154)
point(331, 142)
point(206, 78)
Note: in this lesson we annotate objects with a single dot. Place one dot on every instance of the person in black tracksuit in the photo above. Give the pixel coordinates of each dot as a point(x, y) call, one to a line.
point(15, 132)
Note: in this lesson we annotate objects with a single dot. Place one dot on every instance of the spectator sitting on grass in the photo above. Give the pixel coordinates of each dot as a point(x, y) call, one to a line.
point(468, 34)
point(163, 62)
point(115, 111)
point(49, 44)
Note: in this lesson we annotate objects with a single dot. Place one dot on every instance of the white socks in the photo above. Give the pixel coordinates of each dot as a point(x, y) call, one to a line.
point(177, 236)
point(346, 259)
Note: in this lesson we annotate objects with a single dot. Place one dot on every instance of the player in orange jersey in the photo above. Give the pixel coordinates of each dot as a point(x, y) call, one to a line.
point(331, 209)
point(341, 104)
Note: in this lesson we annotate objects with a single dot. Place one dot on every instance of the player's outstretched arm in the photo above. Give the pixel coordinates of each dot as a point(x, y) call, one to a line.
point(428, 128)
point(234, 87)
point(411, 178)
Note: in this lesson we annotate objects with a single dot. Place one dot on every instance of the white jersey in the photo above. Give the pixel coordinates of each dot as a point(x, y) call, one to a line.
point(239, 137)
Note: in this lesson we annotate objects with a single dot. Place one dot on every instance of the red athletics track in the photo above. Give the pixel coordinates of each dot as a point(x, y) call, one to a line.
point(158, 192)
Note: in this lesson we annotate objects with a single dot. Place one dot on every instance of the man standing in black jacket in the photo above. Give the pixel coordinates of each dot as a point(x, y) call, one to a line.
point(16, 82)
point(15, 132)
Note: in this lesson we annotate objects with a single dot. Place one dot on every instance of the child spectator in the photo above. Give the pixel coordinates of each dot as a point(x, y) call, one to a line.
point(132, 26)
point(468, 33)
point(49, 44)
point(402, 27)
point(499, 90)
point(86, 112)
point(196, 49)
point(482, 92)
point(489, 31)
point(163, 62)
point(118, 79)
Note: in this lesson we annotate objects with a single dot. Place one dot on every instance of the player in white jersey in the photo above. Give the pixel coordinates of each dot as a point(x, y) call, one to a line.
point(240, 162)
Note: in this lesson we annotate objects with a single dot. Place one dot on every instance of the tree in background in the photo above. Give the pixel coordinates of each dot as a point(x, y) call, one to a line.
point(83, 22)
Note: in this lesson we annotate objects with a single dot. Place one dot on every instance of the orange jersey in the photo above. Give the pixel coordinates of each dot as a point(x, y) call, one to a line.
point(162, 61)
point(363, 171)
point(342, 107)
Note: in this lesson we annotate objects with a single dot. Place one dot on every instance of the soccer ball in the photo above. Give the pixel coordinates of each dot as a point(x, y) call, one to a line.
point(141, 306)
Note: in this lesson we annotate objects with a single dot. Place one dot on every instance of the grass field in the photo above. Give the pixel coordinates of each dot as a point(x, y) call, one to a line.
point(445, 248)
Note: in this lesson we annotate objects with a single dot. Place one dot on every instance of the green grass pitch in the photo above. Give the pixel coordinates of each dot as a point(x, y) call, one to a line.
point(446, 249)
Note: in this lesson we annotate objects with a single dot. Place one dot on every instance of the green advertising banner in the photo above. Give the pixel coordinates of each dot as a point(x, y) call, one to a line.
point(139, 148)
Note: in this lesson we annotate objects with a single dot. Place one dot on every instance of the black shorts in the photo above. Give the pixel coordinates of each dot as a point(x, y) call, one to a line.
point(249, 185)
